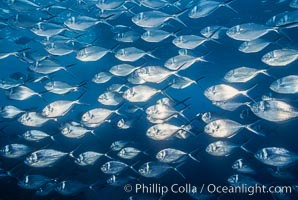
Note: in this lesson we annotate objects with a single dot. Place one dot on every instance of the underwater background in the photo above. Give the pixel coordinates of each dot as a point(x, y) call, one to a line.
point(220, 57)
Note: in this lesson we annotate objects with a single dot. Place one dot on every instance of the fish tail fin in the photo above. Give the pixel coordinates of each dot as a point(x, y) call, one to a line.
point(281, 32)
point(74, 150)
point(151, 55)
point(196, 81)
point(133, 165)
point(265, 72)
point(249, 127)
point(227, 5)
point(181, 112)
point(177, 15)
point(243, 146)
point(178, 171)
point(82, 84)
point(106, 155)
point(178, 102)
point(93, 132)
point(70, 73)
point(245, 92)
point(202, 59)
point(193, 153)
point(22, 50)
point(113, 49)
point(231, 8)
point(52, 138)
point(174, 34)
point(165, 88)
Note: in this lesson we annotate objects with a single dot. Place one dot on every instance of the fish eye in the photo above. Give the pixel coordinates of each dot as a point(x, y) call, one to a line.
point(86, 117)
point(27, 134)
point(230, 74)
point(50, 84)
point(120, 123)
point(140, 16)
point(26, 180)
point(180, 39)
point(193, 11)
point(7, 148)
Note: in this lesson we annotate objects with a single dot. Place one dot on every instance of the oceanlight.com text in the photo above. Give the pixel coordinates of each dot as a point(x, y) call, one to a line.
point(157, 188)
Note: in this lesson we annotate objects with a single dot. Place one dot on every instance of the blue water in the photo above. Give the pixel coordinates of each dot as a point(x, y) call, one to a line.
point(221, 58)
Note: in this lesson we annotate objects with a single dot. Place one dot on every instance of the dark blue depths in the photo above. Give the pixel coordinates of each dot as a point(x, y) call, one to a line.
point(221, 56)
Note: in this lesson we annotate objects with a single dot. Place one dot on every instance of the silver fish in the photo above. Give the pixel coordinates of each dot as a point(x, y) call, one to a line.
point(33, 182)
point(127, 37)
point(129, 152)
point(254, 46)
point(170, 155)
point(205, 8)
point(101, 77)
point(156, 169)
point(165, 131)
point(46, 189)
point(92, 53)
point(22, 93)
point(156, 35)
point(131, 54)
point(110, 98)
point(89, 158)
point(140, 93)
point(75, 130)
point(156, 4)
point(189, 41)
point(276, 156)
point(125, 123)
point(223, 128)
point(280, 57)
point(243, 74)
point(183, 82)
point(36, 135)
point(61, 87)
point(119, 144)
point(14, 150)
point(10, 112)
point(58, 48)
point(45, 158)
point(119, 179)
point(229, 105)
point(249, 31)
point(47, 67)
point(33, 119)
point(115, 167)
point(123, 69)
point(71, 187)
point(285, 85)
point(46, 29)
point(237, 180)
point(58, 108)
point(274, 110)
point(214, 32)
point(182, 62)
point(110, 5)
point(222, 148)
point(155, 74)
point(95, 117)
point(154, 19)
point(241, 166)
point(224, 92)
point(81, 23)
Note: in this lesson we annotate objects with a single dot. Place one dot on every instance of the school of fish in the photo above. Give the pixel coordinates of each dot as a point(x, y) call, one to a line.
point(118, 73)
